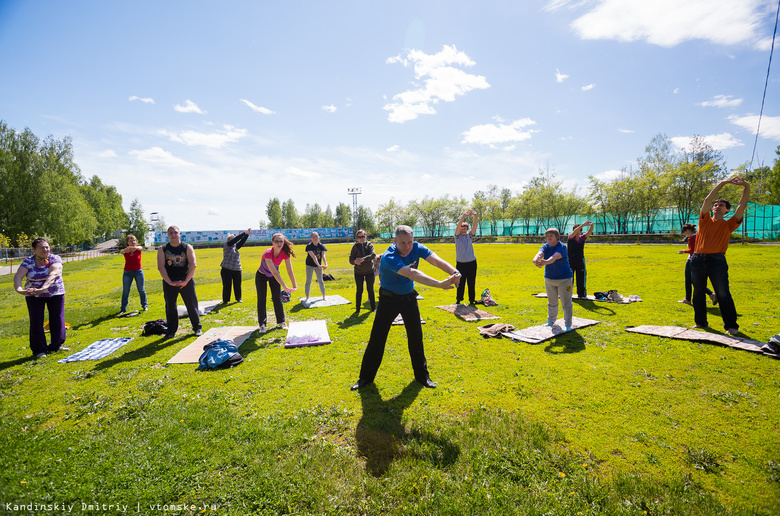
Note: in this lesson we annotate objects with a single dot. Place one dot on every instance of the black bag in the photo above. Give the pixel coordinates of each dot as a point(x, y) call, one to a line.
point(158, 327)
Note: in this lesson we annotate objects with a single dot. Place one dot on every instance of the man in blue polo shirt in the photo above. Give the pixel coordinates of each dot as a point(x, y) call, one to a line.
point(397, 274)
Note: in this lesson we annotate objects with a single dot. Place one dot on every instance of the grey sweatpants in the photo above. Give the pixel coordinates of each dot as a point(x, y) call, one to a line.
point(318, 271)
point(558, 289)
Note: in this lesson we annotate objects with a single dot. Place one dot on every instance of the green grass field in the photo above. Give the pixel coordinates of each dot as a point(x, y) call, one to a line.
point(598, 421)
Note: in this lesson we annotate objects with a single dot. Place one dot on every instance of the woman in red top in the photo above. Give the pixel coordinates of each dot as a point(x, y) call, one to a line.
point(133, 271)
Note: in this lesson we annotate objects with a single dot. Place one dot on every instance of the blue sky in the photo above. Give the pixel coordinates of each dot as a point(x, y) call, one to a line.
point(206, 110)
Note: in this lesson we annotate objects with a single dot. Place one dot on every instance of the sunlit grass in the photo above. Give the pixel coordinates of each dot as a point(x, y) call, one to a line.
point(596, 421)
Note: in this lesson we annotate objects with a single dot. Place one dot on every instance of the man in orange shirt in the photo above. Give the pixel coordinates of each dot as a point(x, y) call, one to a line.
point(709, 257)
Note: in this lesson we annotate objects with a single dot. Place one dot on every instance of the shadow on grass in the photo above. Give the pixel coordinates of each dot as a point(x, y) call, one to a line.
point(592, 306)
point(95, 322)
point(261, 341)
point(382, 438)
point(142, 352)
point(353, 319)
point(18, 361)
point(571, 342)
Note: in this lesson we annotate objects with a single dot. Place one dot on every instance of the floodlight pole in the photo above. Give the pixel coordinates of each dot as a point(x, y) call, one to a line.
point(354, 192)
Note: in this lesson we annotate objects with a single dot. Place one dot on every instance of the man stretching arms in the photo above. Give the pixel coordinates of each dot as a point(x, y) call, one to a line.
point(709, 257)
point(397, 274)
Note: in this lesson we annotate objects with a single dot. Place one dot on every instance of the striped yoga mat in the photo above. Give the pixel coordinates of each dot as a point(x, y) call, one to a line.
point(97, 350)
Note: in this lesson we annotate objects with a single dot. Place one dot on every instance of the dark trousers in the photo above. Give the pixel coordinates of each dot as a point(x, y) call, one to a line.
point(262, 283)
point(369, 278)
point(389, 307)
point(468, 271)
point(689, 282)
point(229, 278)
point(190, 298)
point(580, 278)
point(714, 267)
point(36, 307)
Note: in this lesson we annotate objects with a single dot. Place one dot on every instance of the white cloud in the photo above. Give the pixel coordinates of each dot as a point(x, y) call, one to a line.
point(158, 156)
point(214, 211)
point(189, 107)
point(295, 171)
point(716, 141)
point(259, 109)
point(670, 22)
point(588, 87)
point(108, 153)
point(770, 125)
point(721, 101)
point(214, 140)
point(492, 134)
point(330, 109)
point(626, 131)
point(146, 100)
point(676, 91)
point(609, 175)
point(560, 77)
point(441, 81)
point(393, 148)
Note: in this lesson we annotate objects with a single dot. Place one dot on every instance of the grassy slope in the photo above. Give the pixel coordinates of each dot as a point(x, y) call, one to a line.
point(676, 412)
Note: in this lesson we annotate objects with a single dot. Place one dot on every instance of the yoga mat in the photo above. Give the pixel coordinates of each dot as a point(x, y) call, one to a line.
point(318, 302)
point(400, 320)
point(677, 332)
point(97, 350)
point(625, 300)
point(191, 354)
point(468, 313)
point(537, 334)
point(204, 307)
point(307, 333)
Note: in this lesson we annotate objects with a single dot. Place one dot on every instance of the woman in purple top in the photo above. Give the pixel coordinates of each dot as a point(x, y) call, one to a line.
point(576, 248)
point(44, 289)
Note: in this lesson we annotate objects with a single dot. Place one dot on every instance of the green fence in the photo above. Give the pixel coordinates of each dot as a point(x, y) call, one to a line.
point(762, 222)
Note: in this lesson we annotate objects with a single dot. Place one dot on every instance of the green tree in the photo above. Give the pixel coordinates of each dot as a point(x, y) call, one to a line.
point(365, 220)
point(653, 175)
point(106, 204)
point(136, 222)
point(343, 216)
point(290, 217)
point(434, 214)
point(23, 241)
point(274, 211)
point(312, 217)
point(67, 217)
point(699, 167)
point(613, 200)
point(481, 205)
point(527, 209)
point(327, 220)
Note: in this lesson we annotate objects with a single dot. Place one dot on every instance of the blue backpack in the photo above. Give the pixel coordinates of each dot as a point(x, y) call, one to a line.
point(220, 353)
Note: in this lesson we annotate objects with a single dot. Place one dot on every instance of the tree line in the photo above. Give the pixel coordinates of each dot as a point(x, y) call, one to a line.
point(43, 193)
point(664, 180)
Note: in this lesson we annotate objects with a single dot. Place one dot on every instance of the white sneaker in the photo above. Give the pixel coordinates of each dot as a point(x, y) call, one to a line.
point(284, 325)
point(40, 355)
point(262, 329)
